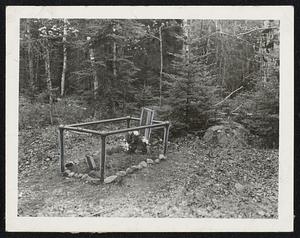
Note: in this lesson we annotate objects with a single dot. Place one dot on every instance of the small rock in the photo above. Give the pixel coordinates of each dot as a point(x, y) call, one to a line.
point(129, 170)
point(209, 208)
point(110, 179)
point(261, 213)
point(144, 164)
point(69, 165)
point(121, 173)
point(162, 157)
point(47, 159)
point(157, 161)
point(95, 181)
point(95, 174)
point(134, 167)
point(71, 174)
point(67, 171)
point(150, 161)
point(239, 187)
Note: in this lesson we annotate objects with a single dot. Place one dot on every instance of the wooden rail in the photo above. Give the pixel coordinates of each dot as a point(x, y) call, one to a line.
point(138, 119)
point(100, 122)
point(82, 130)
point(155, 126)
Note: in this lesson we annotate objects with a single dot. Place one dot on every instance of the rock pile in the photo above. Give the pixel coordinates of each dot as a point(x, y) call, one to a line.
point(93, 176)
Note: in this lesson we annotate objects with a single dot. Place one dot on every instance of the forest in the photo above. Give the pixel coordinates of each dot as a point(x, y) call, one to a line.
point(216, 81)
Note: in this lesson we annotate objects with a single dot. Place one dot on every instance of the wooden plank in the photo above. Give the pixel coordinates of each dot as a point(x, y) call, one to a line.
point(102, 159)
point(142, 116)
point(150, 116)
point(90, 162)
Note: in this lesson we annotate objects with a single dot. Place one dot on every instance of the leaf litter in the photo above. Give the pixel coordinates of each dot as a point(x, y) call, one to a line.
point(196, 180)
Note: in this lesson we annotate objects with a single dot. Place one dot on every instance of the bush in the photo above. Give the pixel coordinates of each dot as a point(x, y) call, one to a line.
point(264, 128)
point(36, 114)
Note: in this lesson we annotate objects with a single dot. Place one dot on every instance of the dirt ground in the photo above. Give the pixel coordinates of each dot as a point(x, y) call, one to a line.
point(195, 181)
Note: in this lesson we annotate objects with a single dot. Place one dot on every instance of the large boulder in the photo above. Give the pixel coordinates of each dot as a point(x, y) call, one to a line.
point(227, 134)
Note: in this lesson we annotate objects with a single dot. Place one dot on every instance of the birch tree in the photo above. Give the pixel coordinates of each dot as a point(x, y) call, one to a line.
point(94, 69)
point(63, 74)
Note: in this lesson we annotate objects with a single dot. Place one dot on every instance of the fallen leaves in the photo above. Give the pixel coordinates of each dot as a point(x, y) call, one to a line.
point(225, 183)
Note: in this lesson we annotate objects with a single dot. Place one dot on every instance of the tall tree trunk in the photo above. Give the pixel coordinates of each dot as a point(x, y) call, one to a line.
point(36, 74)
point(49, 83)
point(124, 99)
point(95, 77)
point(224, 57)
point(186, 52)
point(114, 60)
point(185, 34)
point(30, 58)
point(63, 75)
point(161, 66)
point(114, 67)
point(95, 81)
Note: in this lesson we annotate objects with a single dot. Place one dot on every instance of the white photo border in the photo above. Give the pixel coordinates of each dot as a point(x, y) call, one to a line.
point(284, 223)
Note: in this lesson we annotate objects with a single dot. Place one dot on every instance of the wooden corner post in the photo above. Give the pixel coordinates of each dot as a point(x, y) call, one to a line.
point(61, 146)
point(166, 136)
point(128, 121)
point(102, 158)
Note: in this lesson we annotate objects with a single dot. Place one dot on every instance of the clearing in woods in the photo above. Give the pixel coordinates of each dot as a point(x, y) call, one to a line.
point(195, 181)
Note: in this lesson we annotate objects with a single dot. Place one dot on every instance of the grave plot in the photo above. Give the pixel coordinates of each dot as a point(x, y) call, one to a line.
point(120, 151)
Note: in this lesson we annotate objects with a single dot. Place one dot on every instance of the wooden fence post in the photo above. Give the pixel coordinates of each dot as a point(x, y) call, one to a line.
point(61, 145)
point(102, 158)
point(166, 136)
point(128, 121)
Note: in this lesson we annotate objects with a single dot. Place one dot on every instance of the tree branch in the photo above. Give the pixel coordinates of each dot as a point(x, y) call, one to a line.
point(153, 36)
point(228, 96)
point(257, 29)
point(235, 36)
point(237, 108)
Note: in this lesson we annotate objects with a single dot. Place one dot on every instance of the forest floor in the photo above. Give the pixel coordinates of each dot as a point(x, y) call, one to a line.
point(194, 181)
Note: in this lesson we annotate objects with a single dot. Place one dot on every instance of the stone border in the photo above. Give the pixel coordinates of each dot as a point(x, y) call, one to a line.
point(118, 176)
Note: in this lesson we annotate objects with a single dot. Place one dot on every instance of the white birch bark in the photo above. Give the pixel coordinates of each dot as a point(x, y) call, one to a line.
point(63, 75)
point(95, 77)
point(161, 66)
point(49, 83)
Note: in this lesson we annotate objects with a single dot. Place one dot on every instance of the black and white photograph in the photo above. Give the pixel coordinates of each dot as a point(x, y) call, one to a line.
point(170, 116)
